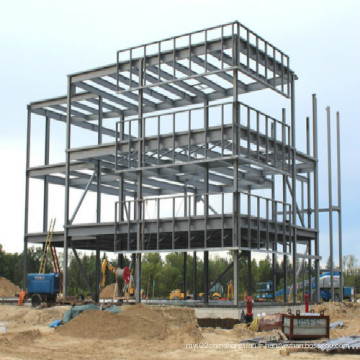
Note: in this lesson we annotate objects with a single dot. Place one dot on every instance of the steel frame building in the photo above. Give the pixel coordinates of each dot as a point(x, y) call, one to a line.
point(185, 159)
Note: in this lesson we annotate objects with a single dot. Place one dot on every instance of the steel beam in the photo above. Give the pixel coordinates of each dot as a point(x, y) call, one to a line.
point(330, 204)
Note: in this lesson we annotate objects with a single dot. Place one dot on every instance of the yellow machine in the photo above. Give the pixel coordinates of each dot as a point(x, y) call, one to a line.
point(230, 291)
point(122, 276)
point(178, 294)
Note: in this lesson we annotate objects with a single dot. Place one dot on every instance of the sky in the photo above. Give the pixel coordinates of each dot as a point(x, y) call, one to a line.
point(43, 41)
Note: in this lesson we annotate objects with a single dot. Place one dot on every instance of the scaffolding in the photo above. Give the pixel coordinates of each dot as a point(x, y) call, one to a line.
point(189, 166)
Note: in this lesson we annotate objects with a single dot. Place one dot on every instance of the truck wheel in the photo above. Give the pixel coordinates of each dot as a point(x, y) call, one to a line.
point(215, 298)
point(36, 300)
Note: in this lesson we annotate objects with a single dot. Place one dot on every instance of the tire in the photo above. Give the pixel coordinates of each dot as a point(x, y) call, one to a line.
point(36, 300)
point(215, 298)
point(175, 297)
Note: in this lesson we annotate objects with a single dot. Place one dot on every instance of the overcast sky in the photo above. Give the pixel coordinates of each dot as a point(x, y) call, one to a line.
point(43, 41)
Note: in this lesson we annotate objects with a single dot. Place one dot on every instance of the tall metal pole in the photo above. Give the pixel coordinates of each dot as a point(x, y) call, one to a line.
point(46, 177)
point(339, 204)
point(139, 199)
point(206, 277)
point(236, 150)
point(194, 275)
point(27, 184)
point(285, 258)
point(236, 277)
point(98, 199)
point(330, 205)
point(316, 197)
point(185, 276)
point(308, 188)
point(293, 143)
point(70, 91)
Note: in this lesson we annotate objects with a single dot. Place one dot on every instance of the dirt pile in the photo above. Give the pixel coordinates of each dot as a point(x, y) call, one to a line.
point(29, 316)
point(20, 338)
point(8, 289)
point(347, 312)
point(138, 322)
point(108, 292)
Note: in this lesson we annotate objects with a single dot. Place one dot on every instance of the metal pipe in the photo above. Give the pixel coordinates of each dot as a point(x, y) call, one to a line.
point(139, 199)
point(46, 177)
point(284, 178)
point(308, 193)
point(330, 204)
point(70, 91)
point(27, 185)
point(98, 200)
point(194, 275)
point(236, 277)
point(185, 276)
point(206, 277)
point(316, 197)
point(249, 275)
point(294, 203)
point(339, 204)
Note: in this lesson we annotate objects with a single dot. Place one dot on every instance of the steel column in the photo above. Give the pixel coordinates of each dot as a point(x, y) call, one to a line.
point(27, 185)
point(194, 275)
point(206, 277)
point(316, 197)
point(308, 188)
point(236, 277)
point(185, 276)
point(70, 92)
point(330, 203)
point(249, 273)
point(293, 174)
point(46, 177)
point(139, 198)
point(339, 204)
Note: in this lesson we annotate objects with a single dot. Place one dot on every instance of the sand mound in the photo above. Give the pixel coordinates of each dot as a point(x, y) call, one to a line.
point(339, 311)
point(8, 289)
point(136, 322)
point(349, 313)
point(108, 292)
point(29, 316)
point(20, 338)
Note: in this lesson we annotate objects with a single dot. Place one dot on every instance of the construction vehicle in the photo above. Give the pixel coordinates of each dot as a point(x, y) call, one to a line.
point(43, 287)
point(122, 277)
point(230, 291)
point(264, 291)
point(178, 294)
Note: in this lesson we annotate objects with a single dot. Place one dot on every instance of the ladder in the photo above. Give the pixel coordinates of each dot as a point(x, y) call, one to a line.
point(53, 251)
point(47, 245)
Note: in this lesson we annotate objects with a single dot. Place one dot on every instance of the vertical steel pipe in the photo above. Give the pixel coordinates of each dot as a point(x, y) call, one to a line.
point(339, 204)
point(27, 186)
point(316, 197)
point(330, 203)
point(70, 91)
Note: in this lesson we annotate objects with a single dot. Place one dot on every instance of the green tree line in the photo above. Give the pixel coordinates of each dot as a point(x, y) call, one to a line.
point(160, 274)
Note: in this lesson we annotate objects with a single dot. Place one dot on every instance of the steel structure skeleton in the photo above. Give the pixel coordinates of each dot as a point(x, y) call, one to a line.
point(184, 142)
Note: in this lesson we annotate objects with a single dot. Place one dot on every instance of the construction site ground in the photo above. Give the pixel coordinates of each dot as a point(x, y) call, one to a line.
point(142, 332)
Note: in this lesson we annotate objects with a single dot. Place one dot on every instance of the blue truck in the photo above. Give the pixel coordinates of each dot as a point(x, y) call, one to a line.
point(264, 289)
point(43, 288)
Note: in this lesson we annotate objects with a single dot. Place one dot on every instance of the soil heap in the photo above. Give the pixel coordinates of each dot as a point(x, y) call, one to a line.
point(108, 292)
point(347, 312)
point(8, 289)
point(134, 322)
